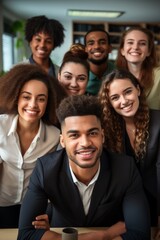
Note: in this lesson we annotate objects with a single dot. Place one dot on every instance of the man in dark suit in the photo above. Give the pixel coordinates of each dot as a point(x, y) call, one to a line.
point(87, 185)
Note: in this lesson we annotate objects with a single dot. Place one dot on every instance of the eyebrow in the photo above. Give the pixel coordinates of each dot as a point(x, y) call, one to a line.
point(123, 91)
point(38, 35)
point(76, 75)
point(144, 40)
point(41, 94)
point(100, 39)
point(77, 131)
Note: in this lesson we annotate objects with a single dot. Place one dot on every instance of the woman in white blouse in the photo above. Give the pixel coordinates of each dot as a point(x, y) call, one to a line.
point(27, 131)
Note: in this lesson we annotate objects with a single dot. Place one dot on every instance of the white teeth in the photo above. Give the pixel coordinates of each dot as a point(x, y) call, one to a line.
point(127, 107)
point(85, 153)
point(31, 112)
point(41, 51)
point(135, 54)
point(97, 54)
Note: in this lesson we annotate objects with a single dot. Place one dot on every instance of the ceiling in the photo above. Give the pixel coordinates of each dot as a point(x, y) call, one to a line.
point(135, 11)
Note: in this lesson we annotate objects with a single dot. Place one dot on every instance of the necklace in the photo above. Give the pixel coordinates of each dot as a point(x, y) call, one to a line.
point(132, 130)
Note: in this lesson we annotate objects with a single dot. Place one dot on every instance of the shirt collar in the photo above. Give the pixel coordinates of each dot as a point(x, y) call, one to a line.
point(41, 134)
point(51, 70)
point(13, 127)
point(75, 180)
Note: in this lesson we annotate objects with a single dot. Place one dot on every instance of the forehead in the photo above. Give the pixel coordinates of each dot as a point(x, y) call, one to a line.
point(75, 68)
point(35, 85)
point(136, 34)
point(81, 123)
point(42, 35)
point(96, 36)
point(118, 85)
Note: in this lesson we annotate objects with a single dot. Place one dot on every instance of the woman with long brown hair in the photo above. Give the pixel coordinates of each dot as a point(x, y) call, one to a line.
point(137, 53)
point(131, 127)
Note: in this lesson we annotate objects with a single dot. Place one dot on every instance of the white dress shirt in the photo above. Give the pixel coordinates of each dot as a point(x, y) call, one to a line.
point(85, 191)
point(15, 169)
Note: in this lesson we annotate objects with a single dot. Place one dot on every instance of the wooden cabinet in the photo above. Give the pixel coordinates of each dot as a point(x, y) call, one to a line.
point(115, 30)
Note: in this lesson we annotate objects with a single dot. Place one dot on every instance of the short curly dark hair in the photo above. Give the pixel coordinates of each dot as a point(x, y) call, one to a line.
point(41, 23)
point(80, 105)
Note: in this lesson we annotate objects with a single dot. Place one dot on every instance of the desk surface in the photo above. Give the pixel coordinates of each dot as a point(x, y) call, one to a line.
point(11, 234)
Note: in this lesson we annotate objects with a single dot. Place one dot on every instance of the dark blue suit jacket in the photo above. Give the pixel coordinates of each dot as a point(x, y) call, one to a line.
point(117, 195)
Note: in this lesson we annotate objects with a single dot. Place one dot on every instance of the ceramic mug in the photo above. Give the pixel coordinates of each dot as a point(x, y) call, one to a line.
point(69, 233)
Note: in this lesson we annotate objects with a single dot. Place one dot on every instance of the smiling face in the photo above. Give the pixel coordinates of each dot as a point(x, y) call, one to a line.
point(124, 97)
point(136, 47)
point(41, 46)
point(97, 47)
point(74, 78)
point(83, 137)
point(32, 101)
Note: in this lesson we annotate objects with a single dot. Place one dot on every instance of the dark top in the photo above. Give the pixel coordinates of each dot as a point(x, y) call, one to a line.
point(94, 83)
point(117, 195)
point(51, 70)
point(149, 166)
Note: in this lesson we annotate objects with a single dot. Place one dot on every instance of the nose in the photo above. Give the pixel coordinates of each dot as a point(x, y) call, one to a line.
point(85, 141)
point(135, 46)
point(96, 45)
point(33, 103)
point(42, 43)
point(74, 82)
point(123, 100)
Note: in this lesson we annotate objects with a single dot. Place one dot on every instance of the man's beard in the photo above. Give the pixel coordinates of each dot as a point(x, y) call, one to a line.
point(98, 61)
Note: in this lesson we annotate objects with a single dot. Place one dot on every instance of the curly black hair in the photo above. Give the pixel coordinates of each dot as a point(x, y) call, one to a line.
point(41, 23)
point(79, 105)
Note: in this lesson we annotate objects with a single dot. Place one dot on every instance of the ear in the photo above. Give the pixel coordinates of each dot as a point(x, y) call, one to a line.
point(86, 49)
point(59, 77)
point(109, 48)
point(139, 90)
point(122, 51)
point(103, 137)
point(148, 54)
point(62, 141)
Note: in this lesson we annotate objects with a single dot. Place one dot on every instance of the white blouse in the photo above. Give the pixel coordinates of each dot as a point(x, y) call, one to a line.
point(15, 169)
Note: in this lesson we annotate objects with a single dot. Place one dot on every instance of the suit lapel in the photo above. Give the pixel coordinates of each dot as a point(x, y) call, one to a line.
point(72, 197)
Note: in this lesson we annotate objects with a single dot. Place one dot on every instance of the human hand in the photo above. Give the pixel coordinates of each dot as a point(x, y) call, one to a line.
point(157, 234)
point(41, 222)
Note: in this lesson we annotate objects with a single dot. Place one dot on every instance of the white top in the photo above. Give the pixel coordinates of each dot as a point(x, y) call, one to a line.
point(85, 191)
point(16, 169)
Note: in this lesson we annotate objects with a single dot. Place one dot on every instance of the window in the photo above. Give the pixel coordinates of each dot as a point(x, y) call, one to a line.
point(8, 51)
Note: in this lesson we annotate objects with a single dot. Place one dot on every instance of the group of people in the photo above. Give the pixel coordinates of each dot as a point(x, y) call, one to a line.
point(81, 141)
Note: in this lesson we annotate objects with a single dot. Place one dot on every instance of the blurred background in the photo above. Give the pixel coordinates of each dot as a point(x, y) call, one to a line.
point(13, 14)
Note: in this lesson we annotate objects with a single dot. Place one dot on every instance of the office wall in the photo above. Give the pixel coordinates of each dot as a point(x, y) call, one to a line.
point(58, 53)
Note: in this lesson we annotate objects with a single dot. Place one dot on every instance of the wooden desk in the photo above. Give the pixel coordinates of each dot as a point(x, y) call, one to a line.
point(11, 234)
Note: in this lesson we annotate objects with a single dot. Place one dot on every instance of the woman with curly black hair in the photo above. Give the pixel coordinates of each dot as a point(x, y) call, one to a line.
point(132, 128)
point(27, 131)
point(43, 36)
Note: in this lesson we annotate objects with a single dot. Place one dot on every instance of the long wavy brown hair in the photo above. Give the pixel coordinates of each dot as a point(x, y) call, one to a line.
point(113, 122)
point(146, 75)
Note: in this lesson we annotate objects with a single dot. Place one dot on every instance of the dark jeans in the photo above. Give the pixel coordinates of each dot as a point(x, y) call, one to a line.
point(9, 216)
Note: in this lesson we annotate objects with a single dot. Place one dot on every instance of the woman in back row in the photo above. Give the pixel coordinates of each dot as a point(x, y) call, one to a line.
point(137, 53)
